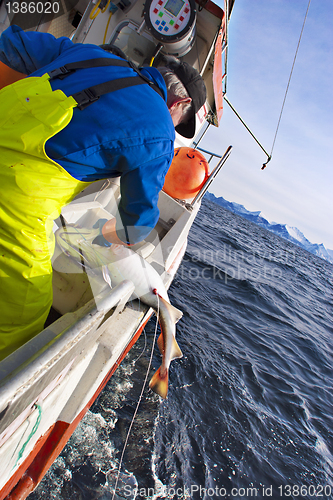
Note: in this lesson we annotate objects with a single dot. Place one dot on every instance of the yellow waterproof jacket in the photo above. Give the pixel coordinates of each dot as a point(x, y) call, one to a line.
point(34, 188)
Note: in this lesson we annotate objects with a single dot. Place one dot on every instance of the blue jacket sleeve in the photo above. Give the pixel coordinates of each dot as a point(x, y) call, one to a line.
point(28, 51)
point(140, 188)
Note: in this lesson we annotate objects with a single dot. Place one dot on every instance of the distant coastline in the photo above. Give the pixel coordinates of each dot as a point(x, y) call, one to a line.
point(287, 232)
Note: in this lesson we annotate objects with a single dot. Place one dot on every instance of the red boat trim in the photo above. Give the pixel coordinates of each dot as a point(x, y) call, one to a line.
point(20, 473)
point(52, 443)
point(177, 261)
point(218, 75)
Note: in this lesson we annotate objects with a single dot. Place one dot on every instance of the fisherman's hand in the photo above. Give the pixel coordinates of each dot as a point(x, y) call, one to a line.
point(99, 239)
point(109, 232)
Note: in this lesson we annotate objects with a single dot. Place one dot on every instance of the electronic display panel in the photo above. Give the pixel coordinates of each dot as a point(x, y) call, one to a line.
point(174, 6)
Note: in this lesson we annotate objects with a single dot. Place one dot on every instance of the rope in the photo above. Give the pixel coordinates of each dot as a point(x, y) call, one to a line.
point(285, 95)
point(138, 404)
point(33, 431)
point(107, 27)
point(95, 12)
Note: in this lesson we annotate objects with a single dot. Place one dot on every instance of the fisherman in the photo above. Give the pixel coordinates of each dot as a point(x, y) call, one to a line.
point(53, 145)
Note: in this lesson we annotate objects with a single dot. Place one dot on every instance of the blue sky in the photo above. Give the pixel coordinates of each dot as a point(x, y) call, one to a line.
point(296, 187)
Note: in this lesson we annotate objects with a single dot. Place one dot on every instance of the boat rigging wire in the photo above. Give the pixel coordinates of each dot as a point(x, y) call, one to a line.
point(285, 95)
point(248, 128)
point(139, 401)
point(269, 155)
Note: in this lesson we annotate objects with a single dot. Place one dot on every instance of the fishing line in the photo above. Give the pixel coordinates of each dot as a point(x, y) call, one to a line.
point(104, 186)
point(140, 397)
point(143, 349)
point(269, 156)
point(286, 92)
point(83, 262)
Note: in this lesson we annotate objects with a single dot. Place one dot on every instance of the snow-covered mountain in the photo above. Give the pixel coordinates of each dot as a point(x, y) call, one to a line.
point(289, 233)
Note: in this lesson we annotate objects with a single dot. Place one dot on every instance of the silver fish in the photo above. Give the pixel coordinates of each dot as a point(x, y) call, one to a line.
point(117, 263)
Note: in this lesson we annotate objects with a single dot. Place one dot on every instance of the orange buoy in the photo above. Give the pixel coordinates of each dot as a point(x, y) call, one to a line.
point(9, 75)
point(187, 174)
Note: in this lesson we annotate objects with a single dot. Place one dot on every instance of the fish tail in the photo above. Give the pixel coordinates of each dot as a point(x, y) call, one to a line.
point(159, 384)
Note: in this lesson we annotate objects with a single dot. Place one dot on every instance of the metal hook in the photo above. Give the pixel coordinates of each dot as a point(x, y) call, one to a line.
point(264, 165)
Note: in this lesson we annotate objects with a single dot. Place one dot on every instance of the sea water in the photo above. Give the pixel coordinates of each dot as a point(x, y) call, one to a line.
point(249, 408)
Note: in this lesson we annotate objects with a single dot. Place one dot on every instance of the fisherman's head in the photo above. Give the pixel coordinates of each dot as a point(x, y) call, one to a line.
point(186, 93)
point(186, 90)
